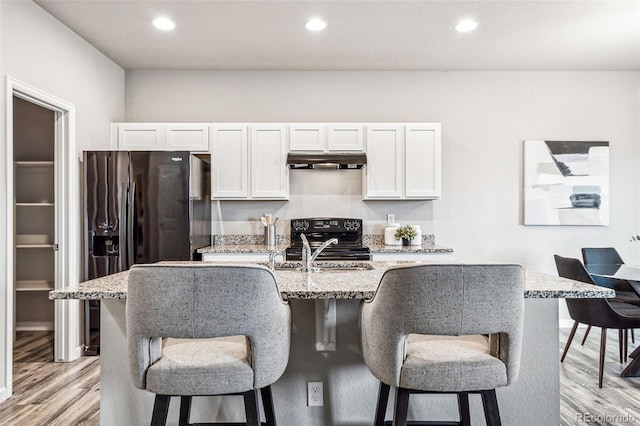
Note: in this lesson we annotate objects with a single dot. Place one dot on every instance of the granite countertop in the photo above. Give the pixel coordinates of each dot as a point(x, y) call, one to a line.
point(238, 248)
point(338, 284)
point(424, 248)
point(375, 248)
point(253, 244)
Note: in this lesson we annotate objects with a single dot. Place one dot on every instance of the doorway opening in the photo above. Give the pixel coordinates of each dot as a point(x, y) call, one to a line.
point(34, 217)
point(40, 224)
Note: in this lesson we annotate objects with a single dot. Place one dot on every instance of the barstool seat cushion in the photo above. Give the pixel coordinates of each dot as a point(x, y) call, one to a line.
point(451, 364)
point(202, 367)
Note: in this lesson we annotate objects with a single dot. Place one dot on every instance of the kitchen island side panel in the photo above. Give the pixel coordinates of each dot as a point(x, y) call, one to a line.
point(350, 389)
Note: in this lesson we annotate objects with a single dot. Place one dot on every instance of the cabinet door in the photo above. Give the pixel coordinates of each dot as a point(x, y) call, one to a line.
point(187, 137)
point(384, 162)
point(306, 137)
point(269, 172)
point(140, 137)
point(230, 156)
point(422, 161)
point(345, 137)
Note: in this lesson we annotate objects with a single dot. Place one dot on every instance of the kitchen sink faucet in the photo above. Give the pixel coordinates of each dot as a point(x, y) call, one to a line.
point(272, 258)
point(307, 257)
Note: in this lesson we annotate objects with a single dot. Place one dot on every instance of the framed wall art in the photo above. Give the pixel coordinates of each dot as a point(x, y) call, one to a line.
point(566, 183)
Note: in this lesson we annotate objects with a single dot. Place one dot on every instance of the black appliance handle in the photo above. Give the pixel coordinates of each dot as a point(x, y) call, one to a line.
point(122, 255)
point(131, 230)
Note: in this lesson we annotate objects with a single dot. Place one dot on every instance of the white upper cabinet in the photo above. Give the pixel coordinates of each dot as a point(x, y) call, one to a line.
point(160, 137)
point(383, 173)
point(187, 137)
point(322, 137)
point(230, 156)
point(345, 137)
point(403, 161)
point(307, 137)
point(137, 136)
point(269, 171)
point(422, 161)
point(249, 162)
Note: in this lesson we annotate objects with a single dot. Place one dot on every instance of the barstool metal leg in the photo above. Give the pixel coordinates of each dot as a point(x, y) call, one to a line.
point(251, 407)
point(185, 409)
point(401, 407)
point(463, 409)
point(160, 410)
point(381, 408)
point(267, 404)
point(490, 404)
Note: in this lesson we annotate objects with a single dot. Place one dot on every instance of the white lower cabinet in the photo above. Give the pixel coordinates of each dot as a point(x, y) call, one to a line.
point(403, 162)
point(239, 257)
point(249, 162)
point(400, 257)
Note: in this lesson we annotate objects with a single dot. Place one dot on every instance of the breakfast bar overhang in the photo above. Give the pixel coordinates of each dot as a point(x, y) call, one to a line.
point(350, 389)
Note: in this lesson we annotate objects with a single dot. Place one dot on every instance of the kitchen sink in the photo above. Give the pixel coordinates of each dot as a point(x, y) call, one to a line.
point(325, 266)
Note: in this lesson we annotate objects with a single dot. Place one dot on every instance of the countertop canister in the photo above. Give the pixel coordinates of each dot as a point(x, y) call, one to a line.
point(417, 241)
point(389, 235)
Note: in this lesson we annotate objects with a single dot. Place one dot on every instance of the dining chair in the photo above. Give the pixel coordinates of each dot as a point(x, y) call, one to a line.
point(444, 329)
point(601, 255)
point(603, 313)
point(201, 330)
point(624, 291)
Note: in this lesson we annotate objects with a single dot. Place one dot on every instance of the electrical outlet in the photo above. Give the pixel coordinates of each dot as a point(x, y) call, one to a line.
point(391, 218)
point(314, 394)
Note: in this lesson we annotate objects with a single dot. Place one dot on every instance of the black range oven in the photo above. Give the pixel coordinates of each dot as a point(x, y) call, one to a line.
point(318, 230)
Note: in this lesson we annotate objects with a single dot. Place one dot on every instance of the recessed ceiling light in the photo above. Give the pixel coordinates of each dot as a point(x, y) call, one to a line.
point(164, 24)
point(315, 24)
point(466, 25)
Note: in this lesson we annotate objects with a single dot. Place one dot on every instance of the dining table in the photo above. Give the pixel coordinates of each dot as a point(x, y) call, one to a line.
point(630, 274)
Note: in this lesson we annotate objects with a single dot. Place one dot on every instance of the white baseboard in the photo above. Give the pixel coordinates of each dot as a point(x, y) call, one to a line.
point(76, 352)
point(3, 394)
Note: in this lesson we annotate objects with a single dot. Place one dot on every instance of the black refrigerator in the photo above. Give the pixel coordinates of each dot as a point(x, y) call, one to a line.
point(140, 207)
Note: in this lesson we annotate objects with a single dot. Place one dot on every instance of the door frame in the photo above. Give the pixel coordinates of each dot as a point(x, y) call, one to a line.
point(67, 345)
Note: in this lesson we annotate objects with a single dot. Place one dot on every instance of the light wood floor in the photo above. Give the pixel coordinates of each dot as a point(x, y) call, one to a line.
point(619, 397)
point(48, 393)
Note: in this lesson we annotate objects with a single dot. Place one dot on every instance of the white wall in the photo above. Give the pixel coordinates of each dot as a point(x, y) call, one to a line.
point(41, 52)
point(485, 117)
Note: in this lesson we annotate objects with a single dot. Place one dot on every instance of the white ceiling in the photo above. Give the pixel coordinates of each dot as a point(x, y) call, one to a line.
point(361, 35)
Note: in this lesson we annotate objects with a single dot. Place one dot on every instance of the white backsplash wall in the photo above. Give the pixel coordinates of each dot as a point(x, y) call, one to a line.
point(317, 193)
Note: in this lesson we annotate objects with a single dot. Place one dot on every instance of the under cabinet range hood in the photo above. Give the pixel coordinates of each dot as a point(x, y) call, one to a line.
point(351, 161)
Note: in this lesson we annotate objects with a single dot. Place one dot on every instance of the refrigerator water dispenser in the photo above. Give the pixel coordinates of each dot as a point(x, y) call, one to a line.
point(106, 245)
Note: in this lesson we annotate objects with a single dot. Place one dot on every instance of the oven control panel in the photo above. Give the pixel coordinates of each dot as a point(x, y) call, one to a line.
point(325, 224)
point(299, 225)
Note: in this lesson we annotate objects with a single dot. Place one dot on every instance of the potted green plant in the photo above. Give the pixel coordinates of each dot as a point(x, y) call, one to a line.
point(406, 234)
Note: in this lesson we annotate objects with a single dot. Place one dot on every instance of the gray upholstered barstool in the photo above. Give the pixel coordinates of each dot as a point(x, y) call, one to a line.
point(237, 326)
point(444, 329)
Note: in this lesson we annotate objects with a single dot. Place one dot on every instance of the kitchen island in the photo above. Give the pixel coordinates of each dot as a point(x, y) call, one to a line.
point(350, 390)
